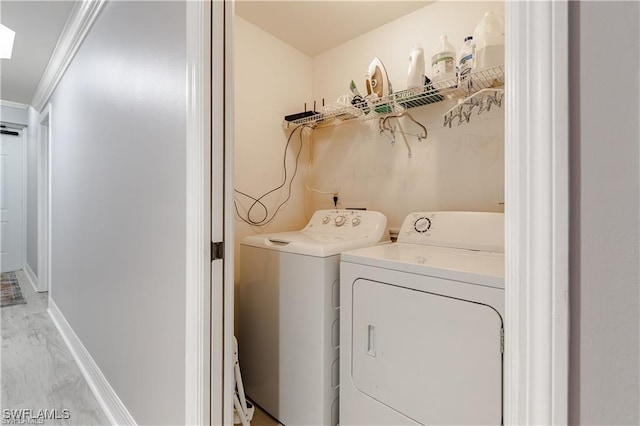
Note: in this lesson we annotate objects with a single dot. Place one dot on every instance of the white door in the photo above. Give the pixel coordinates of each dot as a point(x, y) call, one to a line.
point(433, 358)
point(11, 208)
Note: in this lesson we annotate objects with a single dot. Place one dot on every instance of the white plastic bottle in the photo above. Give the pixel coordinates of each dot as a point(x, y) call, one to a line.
point(467, 61)
point(415, 78)
point(489, 40)
point(443, 62)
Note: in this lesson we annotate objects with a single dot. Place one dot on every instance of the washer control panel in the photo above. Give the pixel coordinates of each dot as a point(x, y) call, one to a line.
point(348, 222)
point(467, 230)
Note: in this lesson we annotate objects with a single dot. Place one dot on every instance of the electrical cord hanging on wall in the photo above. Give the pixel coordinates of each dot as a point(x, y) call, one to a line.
point(333, 194)
point(265, 220)
point(306, 184)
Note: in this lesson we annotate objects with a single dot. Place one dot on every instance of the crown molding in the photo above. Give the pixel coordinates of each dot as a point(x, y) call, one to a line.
point(13, 104)
point(80, 20)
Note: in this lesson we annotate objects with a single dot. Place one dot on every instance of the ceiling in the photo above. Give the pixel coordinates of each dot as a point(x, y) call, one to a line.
point(310, 26)
point(316, 26)
point(38, 25)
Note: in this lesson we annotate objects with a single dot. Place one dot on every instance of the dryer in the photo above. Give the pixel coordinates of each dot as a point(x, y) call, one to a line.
point(422, 324)
point(288, 299)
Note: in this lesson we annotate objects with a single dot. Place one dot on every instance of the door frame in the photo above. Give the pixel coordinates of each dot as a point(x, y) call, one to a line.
point(199, 380)
point(44, 198)
point(536, 213)
point(229, 216)
point(209, 377)
point(24, 135)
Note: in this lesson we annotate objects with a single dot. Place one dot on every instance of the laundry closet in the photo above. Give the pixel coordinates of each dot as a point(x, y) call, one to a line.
point(354, 159)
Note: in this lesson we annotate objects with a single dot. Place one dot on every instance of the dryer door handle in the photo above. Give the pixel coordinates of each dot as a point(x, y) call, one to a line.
point(371, 340)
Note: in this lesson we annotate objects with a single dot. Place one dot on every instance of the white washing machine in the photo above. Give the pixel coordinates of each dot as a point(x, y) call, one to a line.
point(422, 324)
point(288, 313)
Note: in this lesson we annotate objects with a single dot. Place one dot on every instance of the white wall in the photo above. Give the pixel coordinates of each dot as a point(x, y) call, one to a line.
point(454, 169)
point(458, 169)
point(605, 274)
point(118, 201)
point(14, 115)
point(271, 80)
point(334, 69)
point(32, 189)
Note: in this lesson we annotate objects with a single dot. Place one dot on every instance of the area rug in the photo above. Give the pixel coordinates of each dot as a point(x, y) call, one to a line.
point(10, 292)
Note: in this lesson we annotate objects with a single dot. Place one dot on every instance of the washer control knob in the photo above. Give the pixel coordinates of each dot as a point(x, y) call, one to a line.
point(422, 224)
point(355, 221)
point(326, 220)
point(340, 220)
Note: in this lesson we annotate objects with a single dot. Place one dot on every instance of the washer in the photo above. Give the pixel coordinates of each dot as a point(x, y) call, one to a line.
point(422, 324)
point(288, 313)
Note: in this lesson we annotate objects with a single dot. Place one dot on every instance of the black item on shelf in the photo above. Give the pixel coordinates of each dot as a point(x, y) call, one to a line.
point(298, 116)
point(305, 114)
point(359, 102)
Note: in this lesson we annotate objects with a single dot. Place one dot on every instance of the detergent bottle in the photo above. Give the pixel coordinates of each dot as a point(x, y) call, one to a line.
point(489, 40)
point(415, 78)
point(443, 62)
point(466, 63)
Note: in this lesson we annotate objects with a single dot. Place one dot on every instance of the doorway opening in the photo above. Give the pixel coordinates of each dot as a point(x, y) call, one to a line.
point(12, 199)
point(536, 141)
point(314, 149)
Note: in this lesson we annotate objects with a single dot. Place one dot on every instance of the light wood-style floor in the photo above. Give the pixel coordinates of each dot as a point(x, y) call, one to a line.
point(261, 418)
point(37, 371)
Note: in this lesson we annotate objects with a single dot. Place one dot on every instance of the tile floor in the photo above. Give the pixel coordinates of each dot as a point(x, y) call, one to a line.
point(37, 371)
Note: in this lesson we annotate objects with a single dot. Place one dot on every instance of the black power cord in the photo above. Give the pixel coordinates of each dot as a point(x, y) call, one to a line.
point(258, 201)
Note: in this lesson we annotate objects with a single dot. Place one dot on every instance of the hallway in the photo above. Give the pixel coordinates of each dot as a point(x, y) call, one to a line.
point(37, 370)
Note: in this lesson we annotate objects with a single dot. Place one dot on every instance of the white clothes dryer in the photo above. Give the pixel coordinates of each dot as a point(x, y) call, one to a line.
point(288, 313)
point(422, 324)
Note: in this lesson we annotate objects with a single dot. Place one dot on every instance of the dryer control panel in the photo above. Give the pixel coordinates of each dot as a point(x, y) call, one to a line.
point(465, 230)
point(352, 223)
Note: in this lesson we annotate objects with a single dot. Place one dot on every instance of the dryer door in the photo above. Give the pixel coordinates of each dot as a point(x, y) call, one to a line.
point(433, 358)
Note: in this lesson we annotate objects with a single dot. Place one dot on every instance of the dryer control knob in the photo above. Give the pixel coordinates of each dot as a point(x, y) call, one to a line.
point(340, 220)
point(355, 221)
point(422, 224)
point(326, 219)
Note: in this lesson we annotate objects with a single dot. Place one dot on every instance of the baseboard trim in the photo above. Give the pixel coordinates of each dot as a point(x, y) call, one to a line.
point(109, 401)
point(31, 276)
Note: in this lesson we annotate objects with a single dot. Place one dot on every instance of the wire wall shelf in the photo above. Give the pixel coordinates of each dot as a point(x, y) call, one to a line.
point(398, 102)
